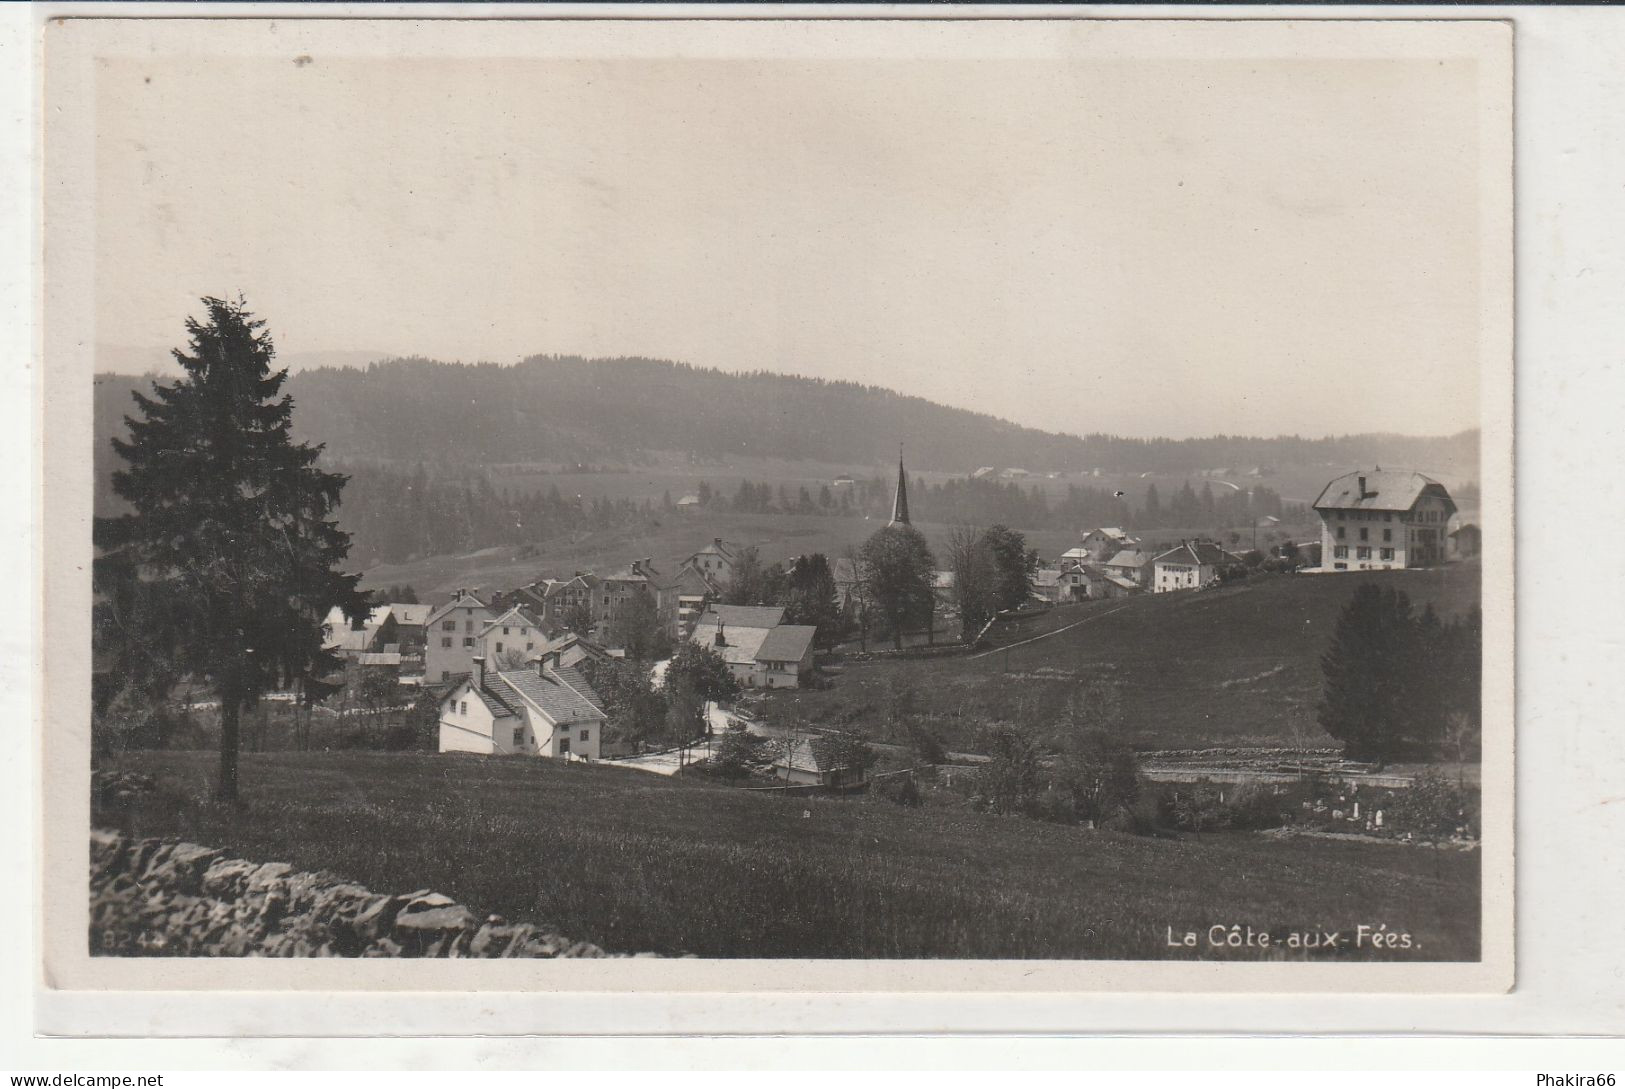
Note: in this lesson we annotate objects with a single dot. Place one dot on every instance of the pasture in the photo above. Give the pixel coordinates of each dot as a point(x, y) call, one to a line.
point(1238, 666)
point(632, 861)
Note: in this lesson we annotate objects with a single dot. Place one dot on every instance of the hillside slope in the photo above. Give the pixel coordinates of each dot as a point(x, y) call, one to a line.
point(1237, 666)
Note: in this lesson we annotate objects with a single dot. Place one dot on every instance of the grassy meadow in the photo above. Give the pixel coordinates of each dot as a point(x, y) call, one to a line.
point(1238, 666)
point(635, 862)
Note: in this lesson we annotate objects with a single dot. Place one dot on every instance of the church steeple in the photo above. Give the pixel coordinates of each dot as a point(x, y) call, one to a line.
point(899, 503)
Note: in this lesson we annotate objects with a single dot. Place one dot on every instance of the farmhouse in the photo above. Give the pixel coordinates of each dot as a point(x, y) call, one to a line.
point(688, 502)
point(545, 710)
point(1192, 565)
point(1383, 518)
point(761, 650)
point(454, 631)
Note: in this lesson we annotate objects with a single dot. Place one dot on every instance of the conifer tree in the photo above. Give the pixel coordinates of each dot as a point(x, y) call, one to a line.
point(226, 565)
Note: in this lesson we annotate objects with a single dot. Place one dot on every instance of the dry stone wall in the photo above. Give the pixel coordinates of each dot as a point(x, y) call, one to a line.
point(152, 897)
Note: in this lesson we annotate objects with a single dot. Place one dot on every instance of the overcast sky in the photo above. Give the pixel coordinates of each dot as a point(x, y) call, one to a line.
point(1149, 248)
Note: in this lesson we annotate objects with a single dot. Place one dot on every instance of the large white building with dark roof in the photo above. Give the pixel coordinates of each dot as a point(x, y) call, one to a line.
point(760, 650)
point(1382, 519)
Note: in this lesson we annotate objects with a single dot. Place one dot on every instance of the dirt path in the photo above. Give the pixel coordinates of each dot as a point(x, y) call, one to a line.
point(1048, 634)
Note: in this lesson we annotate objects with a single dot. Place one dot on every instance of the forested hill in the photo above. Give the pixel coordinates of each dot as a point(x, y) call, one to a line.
point(568, 409)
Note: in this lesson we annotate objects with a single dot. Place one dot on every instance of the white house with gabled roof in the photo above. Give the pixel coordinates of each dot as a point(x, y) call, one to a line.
point(545, 709)
point(453, 633)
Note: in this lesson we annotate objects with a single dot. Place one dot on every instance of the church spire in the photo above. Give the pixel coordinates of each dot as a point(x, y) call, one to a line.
point(899, 503)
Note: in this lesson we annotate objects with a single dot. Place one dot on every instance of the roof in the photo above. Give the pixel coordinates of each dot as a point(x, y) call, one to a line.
point(1076, 554)
point(459, 600)
point(413, 614)
point(1122, 583)
point(786, 643)
point(717, 547)
point(1129, 557)
point(808, 754)
point(689, 501)
point(562, 694)
point(1202, 553)
point(1112, 532)
point(740, 642)
point(942, 580)
point(515, 615)
point(744, 616)
point(493, 702)
point(636, 571)
point(379, 658)
point(1047, 576)
point(1385, 489)
point(844, 570)
point(1465, 527)
point(342, 636)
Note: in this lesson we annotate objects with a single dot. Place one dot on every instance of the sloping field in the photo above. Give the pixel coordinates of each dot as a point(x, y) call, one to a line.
point(634, 861)
point(1238, 666)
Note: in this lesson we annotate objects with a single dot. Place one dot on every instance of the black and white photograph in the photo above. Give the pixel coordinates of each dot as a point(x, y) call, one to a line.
point(789, 493)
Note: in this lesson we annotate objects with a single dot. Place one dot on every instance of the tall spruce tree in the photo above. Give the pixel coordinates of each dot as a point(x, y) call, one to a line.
point(1367, 702)
point(226, 564)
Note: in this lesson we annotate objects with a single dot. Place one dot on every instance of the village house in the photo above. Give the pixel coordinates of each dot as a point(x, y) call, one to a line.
point(760, 649)
point(454, 630)
point(692, 591)
point(808, 762)
point(378, 632)
point(515, 635)
point(716, 561)
point(1132, 565)
point(1381, 519)
point(1104, 543)
point(688, 503)
point(1191, 566)
point(546, 709)
point(553, 601)
point(1100, 583)
point(620, 586)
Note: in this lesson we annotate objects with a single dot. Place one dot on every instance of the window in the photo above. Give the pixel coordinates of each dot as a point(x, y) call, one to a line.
point(564, 745)
point(450, 625)
point(1387, 553)
point(464, 707)
point(1341, 552)
point(469, 626)
point(1339, 533)
point(524, 631)
point(445, 641)
point(468, 640)
point(1388, 517)
point(1364, 553)
point(585, 736)
point(1365, 534)
point(530, 646)
point(505, 630)
point(499, 648)
point(1340, 567)
point(1387, 534)
point(445, 675)
point(518, 736)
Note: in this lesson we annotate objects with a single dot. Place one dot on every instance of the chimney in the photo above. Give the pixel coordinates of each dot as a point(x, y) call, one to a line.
point(1362, 487)
point(717, 541)
point(721, 640)
point(479, 671)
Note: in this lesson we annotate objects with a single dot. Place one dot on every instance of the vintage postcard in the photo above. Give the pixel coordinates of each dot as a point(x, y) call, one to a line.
point(778, 505)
